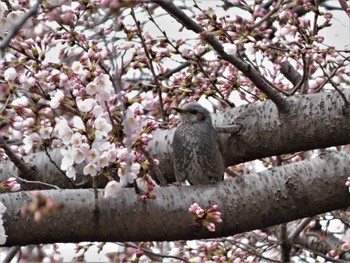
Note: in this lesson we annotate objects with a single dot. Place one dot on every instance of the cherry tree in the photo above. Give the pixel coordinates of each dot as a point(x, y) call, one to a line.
point(87, 90)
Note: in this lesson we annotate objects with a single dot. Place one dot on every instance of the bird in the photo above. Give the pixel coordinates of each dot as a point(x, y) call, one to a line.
point(197, 157)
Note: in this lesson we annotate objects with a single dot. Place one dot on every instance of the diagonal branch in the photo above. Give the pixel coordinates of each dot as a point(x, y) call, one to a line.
point(23, 169)
point(344, 5)
point(15, 29)
point(244, 67)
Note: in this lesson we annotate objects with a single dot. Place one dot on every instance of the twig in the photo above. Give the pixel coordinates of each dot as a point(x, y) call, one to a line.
point(268, 15)
point(15, 29)
point(329, 79)
point(22, 167)
point(150, 252)
point(303, 79)
point(285, 244)
point(250, 249)
point(154, 168)
point(150, 64)
point(320, 254)
point(332, 74)
point(199, 63)
point(230, 172)
point(55, 164)
point(11, 254)
point(293, 236)
point(34, 182)
point(175, 70)
point(116, 86)
point(9, 97)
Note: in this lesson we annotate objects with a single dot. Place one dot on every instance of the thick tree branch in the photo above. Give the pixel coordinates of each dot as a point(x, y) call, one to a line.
point(244, 67)
point(314, 122)
point(248, 202)
point(290, 73)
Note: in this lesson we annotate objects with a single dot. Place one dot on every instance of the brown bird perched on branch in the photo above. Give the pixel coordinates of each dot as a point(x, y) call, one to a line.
point(197, 155)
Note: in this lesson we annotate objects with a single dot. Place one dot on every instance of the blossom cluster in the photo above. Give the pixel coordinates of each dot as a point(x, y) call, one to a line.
point(90, 132)
point(10, 185)
point(86, 138)
point(206, 217)
point(148, 193)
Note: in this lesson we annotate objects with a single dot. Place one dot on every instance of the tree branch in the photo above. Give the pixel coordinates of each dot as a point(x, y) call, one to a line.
point(23, 169)
point(344, 5)
point(296, 232)
point(11, 253)
point(313, 123)
point(283, 194)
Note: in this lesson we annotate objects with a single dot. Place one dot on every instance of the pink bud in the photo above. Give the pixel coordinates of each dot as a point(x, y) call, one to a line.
point(68, 17)
point(211, 227)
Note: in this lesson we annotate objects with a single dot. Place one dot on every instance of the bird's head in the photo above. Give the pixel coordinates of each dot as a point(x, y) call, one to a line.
point(193, 112)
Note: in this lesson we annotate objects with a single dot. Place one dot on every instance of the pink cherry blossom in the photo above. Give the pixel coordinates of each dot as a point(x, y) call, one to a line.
point(76, 139)
point(230, 49)
point(90, 169)
point(79, 154)
point(11, 184)
point(112, 189)
point(45, 132)
point(91, 88)
point(85, 105)
point(210, 226)
point(102, 127)
point(92, 155)
point(67, 160)
point(10, 74)
point(21, 101)
point(64, 132)
point(57, 99)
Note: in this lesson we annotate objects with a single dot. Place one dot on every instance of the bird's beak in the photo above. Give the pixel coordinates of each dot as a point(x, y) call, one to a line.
point(180, 110)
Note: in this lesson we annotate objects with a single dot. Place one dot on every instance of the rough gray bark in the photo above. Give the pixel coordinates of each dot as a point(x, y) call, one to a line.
point(248, 202)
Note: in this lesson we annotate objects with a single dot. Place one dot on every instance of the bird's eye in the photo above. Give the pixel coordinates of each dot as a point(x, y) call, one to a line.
point(193, 111)
point(200, 116)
